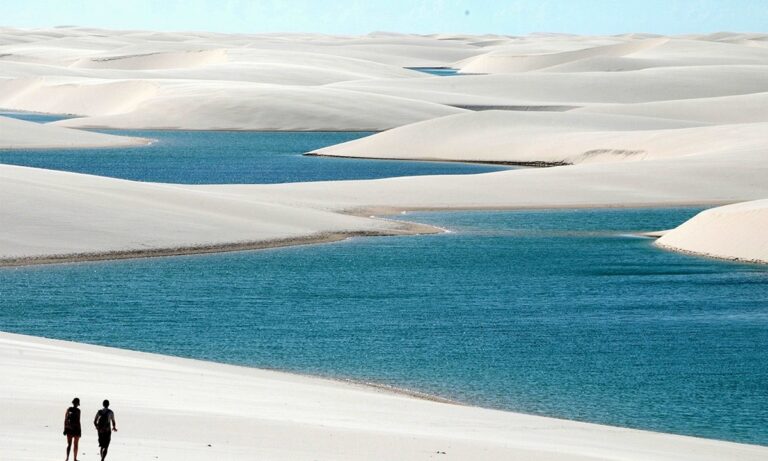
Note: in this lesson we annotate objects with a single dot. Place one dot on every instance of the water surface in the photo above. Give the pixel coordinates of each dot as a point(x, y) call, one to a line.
point(560, 313)
point(225, 157)
point(438, 71)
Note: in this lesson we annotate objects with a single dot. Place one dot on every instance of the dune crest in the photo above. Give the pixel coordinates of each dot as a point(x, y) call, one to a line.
point(159, 60)
point(501, 62)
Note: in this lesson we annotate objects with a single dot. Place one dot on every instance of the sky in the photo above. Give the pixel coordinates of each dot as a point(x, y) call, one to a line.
point(511, 17)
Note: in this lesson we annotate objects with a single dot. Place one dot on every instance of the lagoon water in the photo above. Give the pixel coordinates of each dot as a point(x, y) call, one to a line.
point(225, 157)
point(557, 313)
point(437, 71)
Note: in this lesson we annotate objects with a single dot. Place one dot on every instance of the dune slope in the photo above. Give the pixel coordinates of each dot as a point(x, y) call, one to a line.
point(50, 214)
point(737, 232)
point(20, 134)
point(176, 409)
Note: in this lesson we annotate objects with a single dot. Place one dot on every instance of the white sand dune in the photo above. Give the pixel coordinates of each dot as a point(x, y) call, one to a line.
point(548, 137)
point(258, 66)
point(19, 134)
point(70, 70)
point(632, 54)
point(220, 81)
point(157, 60)
point(243, 106)
point(581, 88)
point(701, 179)
point(50, 213)
point(177, 409)
point(744, 108)
point(83, 97)
point(182, 104)
point(503, 63)
point(737, 232)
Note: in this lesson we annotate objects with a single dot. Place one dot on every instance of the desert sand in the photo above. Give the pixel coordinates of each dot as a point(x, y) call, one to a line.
point(20, 134)
point(735, 232)
point(630, 120)
point(80, 217)
point(172, 408)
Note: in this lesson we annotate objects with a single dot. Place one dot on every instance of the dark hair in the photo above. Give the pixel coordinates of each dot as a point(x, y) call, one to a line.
point(75, 401)
point(105, 403)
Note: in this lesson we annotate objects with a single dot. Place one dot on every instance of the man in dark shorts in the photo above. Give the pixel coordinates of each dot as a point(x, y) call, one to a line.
point(103, 419)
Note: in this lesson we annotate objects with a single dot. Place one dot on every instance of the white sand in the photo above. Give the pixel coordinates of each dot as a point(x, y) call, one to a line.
point(214, 81)
point(244, 106)
point(746, 108)
point(738, 232)
point(52, 213)
point(20, 134)
point(705, 179)
point(624, 53)
point(565, 137)
point(533, 89)
point(175, 409)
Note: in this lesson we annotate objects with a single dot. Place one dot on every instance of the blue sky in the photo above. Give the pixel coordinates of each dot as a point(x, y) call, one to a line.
point(417, 16)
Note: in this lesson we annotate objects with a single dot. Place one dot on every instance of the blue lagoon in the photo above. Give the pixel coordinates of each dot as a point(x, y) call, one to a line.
point(560, 313)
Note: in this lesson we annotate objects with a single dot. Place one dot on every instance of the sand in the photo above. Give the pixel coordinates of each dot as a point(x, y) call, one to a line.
point(172, 408)
point(735, 232)
point(19, 134)
point(59, 215)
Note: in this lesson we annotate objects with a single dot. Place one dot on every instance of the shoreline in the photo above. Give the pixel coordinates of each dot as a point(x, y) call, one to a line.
point(386, 389)
point(406, 228)
point(138, 142)
point(735, 259)
point(264, 402)
point(534, 164)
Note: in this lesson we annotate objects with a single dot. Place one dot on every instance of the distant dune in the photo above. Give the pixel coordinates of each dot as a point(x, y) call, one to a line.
point(632, 120)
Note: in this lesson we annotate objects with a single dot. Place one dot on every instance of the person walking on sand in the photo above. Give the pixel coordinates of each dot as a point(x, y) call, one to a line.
point(103, 419)
point(72, 426)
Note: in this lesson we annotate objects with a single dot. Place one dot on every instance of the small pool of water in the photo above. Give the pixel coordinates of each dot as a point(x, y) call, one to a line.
point(34, 116)
point(439, 71)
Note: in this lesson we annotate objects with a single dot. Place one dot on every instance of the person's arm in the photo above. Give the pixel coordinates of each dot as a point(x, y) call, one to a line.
point(66, 413)
point(114, 424)
point(95, 418)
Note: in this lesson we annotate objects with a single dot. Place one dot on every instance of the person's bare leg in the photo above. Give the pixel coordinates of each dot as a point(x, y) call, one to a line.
point(77, 442)
point(69, 445)
point(103, 453)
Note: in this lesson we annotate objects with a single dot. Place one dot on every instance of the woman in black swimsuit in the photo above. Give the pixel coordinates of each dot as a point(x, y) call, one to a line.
point(72, 426)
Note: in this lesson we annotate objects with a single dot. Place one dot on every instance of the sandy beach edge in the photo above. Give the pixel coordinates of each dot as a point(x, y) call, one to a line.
point(536, 164)
point(733, 259)
point(266, 400)
point(405, 228)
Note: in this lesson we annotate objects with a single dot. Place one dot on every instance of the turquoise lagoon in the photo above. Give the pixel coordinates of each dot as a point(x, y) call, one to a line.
point(560, 313)
point(225, 157)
